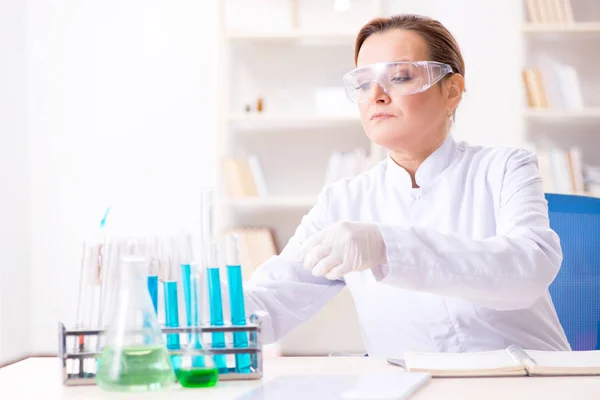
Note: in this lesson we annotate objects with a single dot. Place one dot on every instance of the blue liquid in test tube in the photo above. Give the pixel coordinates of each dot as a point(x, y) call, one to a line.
point(236, 298)
point(215, 303)
point(216, 315)
point(153, 289)
point(172, 319)
point(153, 282)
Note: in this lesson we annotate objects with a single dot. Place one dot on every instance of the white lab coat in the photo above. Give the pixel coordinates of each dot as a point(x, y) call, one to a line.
point(470, 257)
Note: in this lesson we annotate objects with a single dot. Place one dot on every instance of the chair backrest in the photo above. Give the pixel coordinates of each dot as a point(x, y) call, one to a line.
point(576, 289)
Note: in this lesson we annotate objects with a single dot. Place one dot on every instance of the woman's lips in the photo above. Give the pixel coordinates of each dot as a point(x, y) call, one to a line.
point(380, 116)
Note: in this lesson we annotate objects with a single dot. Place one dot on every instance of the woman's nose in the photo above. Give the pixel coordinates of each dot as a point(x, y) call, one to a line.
point(378, 93)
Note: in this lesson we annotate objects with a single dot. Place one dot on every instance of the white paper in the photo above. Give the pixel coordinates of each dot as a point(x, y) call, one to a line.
point(566, 359)
point(478, 361)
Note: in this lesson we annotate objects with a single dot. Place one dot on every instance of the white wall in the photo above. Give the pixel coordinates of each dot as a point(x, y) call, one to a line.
point(122, 106)
point(14, 204)
point(489, 35)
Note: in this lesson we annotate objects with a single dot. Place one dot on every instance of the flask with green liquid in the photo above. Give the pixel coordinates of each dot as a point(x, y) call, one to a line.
point(134, 356)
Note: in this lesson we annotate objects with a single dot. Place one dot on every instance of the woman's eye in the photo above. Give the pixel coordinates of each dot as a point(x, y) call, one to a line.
point(363, 86)
point(401, 78)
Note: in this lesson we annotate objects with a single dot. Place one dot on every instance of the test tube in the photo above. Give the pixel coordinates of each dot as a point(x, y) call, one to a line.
point(215, 303)
point(117, 249)
point(185, 259)
point(153, 270)
point(196, 370)
point(236, 301)
point(189, 293)
point(85, 296)
point(153, 282)
point(171, 304)
point(107, 249)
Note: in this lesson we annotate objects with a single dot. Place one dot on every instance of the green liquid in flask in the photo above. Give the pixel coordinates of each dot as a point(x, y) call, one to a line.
point(140, 368)
point(197, 377)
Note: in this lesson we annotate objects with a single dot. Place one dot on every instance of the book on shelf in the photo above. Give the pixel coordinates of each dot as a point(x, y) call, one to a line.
point(244, 176)
point(534, 88)
point(550, 11)
point(553, 85)
point(346, 165)
point(512, 361)
point(257, 245)
point(562, 171)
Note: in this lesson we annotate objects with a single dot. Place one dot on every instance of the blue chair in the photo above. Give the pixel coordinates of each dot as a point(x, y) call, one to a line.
point(576, 289)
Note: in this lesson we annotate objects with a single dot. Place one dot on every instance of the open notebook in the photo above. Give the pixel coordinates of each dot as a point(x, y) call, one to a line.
point(513, 361)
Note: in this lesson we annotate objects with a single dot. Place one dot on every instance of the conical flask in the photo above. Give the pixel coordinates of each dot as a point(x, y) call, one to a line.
point(197, 368)
point(134, 357)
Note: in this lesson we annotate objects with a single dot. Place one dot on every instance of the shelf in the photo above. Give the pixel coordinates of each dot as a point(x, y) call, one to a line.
point(301, 36)
point(272, 202)
point(567, 115)
point(282, 120)
point(579, 27)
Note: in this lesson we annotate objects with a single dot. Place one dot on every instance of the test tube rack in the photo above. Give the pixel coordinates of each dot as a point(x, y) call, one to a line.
point(72, 356)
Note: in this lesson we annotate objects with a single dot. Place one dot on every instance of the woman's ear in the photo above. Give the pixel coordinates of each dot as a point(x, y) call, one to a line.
point(455, 86)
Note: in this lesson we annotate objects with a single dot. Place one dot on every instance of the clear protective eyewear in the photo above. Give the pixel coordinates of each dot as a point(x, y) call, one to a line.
point(395, 78)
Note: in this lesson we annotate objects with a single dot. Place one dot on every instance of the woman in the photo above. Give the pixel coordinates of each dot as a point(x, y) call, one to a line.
point(445, 247)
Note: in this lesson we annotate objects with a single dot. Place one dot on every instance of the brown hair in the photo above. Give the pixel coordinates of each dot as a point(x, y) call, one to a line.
point(442, 46)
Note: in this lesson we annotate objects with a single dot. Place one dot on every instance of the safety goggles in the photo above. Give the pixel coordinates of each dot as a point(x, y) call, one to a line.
point(395, 78)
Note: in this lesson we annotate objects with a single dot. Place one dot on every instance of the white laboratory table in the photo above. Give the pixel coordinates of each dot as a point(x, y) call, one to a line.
point(40, 378)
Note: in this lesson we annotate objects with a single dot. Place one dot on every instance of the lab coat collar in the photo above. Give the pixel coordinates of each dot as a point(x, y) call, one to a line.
point(428, 171)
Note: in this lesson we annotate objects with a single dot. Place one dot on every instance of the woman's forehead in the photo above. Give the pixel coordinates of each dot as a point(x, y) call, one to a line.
point(392, 45)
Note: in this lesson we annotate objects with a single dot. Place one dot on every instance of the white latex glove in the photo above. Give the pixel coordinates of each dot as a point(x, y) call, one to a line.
point(342, 248)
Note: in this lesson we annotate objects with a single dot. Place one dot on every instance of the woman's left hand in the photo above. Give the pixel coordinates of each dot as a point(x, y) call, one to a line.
point(342, 248)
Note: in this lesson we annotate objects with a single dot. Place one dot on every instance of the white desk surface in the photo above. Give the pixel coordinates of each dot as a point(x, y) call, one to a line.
point(40, 378)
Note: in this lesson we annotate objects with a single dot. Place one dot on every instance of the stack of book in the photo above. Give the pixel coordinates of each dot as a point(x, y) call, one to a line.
point(244, 177)
point(562, 171)
point(553, 85)
point(550, 11)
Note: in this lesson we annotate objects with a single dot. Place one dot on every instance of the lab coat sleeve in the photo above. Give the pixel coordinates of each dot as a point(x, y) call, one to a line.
point(508, 271)
point(283, 289)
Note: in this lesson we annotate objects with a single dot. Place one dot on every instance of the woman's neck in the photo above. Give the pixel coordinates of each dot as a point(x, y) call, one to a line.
point(411, 157)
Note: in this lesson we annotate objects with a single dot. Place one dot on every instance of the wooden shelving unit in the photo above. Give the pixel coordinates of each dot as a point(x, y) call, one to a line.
point(578, 27)
point(564, 116)
point(258, 60)
point(559, 47)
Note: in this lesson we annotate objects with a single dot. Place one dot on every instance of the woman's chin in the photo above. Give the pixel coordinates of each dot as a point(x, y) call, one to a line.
point(386, 137)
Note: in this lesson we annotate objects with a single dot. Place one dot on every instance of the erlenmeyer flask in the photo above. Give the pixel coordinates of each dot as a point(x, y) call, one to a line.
point(134, 357)
point(197, 368)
